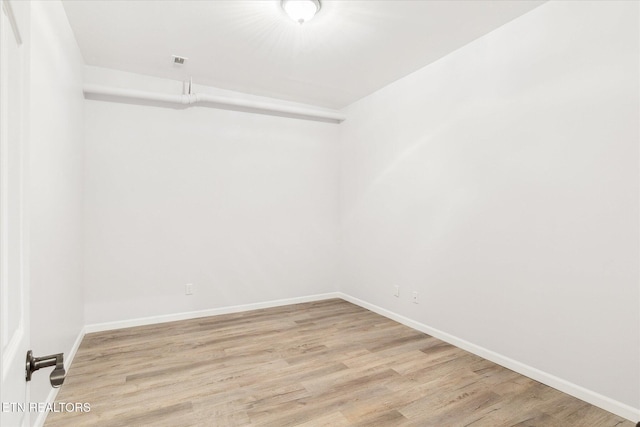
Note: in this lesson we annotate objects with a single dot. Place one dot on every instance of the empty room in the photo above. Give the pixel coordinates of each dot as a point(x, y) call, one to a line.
point(320, 213)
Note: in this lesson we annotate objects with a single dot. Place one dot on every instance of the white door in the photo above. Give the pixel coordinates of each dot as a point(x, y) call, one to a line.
point(14, 290)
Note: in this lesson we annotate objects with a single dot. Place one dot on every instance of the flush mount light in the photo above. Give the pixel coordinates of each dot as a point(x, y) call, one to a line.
point(301, 11)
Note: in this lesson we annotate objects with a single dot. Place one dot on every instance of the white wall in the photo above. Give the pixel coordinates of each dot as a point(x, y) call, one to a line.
point(241, 205)
point(55, 208)
point(501, 183)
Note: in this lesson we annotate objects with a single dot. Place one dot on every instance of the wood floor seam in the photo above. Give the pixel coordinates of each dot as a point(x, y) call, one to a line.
point(322, 363)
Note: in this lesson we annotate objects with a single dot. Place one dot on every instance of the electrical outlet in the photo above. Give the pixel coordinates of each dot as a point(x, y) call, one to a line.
point(415, 297)
point(188, 289)
point(396, 291)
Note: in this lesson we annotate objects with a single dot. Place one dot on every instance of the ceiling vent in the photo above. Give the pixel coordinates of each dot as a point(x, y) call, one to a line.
point(179, 60)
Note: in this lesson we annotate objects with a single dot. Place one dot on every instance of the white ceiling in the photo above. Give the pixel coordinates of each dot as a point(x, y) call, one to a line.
point(349, 50)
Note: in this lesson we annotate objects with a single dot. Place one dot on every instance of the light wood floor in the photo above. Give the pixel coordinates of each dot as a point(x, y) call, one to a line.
point(327, 363)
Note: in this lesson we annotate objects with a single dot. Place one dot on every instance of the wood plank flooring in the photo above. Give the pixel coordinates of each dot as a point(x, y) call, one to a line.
point(326, 363)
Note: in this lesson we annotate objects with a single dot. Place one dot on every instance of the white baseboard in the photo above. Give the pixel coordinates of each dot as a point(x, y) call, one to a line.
point(577, 391)
point(99, 327)
point(51, 397)
point(581, 393)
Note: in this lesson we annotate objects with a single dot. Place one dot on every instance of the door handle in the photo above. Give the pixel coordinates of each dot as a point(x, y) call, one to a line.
point(35, 363)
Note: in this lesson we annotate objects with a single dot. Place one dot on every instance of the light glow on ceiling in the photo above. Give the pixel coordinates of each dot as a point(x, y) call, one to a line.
point(301, 11)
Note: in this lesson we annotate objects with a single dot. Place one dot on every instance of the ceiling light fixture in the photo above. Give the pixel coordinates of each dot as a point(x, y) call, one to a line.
point(301, 11)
